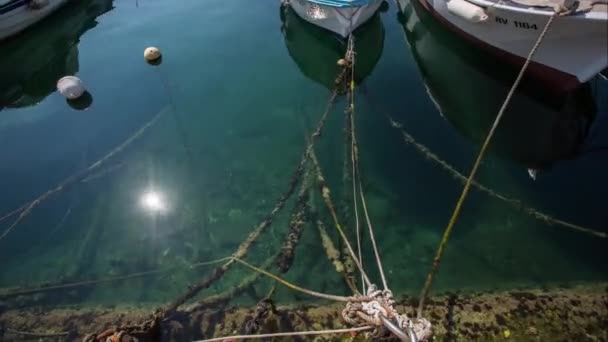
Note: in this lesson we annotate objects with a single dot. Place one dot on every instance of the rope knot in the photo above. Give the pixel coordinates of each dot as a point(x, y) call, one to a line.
point(368, 310)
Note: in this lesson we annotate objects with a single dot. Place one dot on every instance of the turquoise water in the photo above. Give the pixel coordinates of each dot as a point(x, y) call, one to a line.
point(239, 87)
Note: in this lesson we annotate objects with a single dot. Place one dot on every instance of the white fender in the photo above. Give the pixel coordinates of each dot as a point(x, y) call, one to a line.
point(467, 11)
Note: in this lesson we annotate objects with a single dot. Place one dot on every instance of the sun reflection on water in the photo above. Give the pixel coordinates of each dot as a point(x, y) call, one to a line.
point(154, 202)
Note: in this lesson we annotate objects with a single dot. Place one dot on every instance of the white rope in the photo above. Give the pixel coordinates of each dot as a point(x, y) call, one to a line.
point(371, 234)
point(363, 311)
point(374, 307)
point(353, 156)
point(378, 304)
point(355, 160)
point(286, 334)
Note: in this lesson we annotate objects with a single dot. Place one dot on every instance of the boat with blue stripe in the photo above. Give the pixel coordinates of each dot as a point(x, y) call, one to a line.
point(339, 16)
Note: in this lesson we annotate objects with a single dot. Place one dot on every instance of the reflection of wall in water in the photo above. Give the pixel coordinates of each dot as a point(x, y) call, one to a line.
point(316, 50)
point(468, 86)
point(32, 62)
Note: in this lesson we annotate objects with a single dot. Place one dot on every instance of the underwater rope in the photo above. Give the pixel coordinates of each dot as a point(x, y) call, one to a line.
point(28, 207)
point(104, 172)
point(299, 217)
point(334, 255)
point(517, 204)
point(330, 206)
point(467, 186)
point(47, 288)
point(243, 248)
point(282, 258)
point(15, 211)
point(151, 326)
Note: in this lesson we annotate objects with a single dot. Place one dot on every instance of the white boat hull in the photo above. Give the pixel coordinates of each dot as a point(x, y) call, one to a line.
point(341, 20)
point(22, 17)
point(573, 51)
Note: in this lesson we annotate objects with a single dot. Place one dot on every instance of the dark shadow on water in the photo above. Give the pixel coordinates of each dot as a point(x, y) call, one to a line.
point(468, 87)
point(82, 103)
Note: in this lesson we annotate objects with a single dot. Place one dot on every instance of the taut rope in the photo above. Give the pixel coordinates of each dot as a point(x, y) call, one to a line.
point(469, 181)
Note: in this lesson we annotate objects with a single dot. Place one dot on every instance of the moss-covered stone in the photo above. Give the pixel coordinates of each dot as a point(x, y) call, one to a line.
point(577, 313)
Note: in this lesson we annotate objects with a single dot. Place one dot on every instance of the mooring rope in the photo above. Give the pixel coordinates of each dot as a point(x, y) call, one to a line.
point(350, 58)
point(243, 248)
point(375, 307)
point(104, 172)
point(288, 334)
point(333, 255)
point(15, 211)
point(355, 161)
point(233, 291)
point(297, 221)
point(28, 207)
point(283, 258)
point(517, 204)
point(467, 186)
point(48, 288)
point(363, 310)
point(378, 310)
point(150, 327)
point(293, 286)
point(325, 192)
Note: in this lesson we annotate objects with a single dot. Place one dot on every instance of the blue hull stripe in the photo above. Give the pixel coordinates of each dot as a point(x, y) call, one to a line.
point(342, 3)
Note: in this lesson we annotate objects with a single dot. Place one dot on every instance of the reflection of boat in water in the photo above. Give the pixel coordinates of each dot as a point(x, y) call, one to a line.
point(468, 90)
point(571, 53)
point(32, 63)
point(339, 16)
point(316, 51)
point(17, 15)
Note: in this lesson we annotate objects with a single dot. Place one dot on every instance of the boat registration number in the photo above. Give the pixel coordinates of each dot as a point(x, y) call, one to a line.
point(518, 24)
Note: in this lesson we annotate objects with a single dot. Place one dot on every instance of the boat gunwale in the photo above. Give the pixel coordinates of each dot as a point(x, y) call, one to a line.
point(10, 7)
point(593, 14)
point(341, 3)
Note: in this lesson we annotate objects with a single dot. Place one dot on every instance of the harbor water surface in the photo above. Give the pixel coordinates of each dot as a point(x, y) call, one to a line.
point(241, 85)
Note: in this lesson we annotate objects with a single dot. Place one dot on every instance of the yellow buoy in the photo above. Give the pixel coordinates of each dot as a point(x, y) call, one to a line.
point(151, 54)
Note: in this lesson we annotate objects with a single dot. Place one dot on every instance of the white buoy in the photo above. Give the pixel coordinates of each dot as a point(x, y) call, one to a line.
point(151, 54)
point(70, 87)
